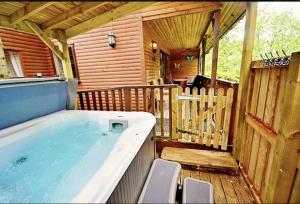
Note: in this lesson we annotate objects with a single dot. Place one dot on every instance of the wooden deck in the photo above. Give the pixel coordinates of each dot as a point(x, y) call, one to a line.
point(228, 188)
point(201, 158)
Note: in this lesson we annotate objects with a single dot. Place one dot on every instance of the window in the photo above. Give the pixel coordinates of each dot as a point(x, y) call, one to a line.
point(73, 62)
point(59, 66)
point(13, 62)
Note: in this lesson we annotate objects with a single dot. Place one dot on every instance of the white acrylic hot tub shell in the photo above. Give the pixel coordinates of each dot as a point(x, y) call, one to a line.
point(102, 184)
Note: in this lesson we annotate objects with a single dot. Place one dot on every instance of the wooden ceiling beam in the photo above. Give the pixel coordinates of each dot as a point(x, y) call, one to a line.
point(20, 27)
point(43, 36)
point(27, 11)
point(71, 14)
point(181, 10)
point(106, 17)
point(5, 23)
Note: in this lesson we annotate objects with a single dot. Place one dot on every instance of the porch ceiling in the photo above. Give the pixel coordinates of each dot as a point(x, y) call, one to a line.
point(73, 17)
point(188, 28)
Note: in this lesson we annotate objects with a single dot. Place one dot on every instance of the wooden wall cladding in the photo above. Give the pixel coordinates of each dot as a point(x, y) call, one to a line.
point(262, 119)
point(35, 56)
point(102, 66)
point(152, 60)
point(186, 70)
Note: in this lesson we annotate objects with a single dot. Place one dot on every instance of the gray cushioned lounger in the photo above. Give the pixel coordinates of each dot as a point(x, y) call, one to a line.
point(196, 191)
point(161, 183)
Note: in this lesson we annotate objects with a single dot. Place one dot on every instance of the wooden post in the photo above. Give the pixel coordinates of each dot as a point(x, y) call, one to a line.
point(216, 36)
point(249, 36)
point(3, 65)
point(61, 37)
point(287, 148)
point(199, 62)
point(203, 55)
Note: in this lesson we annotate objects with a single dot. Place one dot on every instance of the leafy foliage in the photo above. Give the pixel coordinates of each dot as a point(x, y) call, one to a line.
point(273, 32)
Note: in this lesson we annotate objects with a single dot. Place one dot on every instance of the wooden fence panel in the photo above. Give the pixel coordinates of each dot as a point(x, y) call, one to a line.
point(209, 121)
point(194, 114)
point(201, 116)
point(179, 113)
point(228, 107)
point(186, 113)
point(262, 123)
point(218, 117)
point(205, 116)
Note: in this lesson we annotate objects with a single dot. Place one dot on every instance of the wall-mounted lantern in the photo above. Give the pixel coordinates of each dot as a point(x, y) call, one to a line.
point(154, 46)
point(112, 39)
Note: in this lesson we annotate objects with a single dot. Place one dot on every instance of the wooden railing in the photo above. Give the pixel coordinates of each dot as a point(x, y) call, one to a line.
point(131, 98)
point(203, 118)
point(225, 84)
point(165, 103)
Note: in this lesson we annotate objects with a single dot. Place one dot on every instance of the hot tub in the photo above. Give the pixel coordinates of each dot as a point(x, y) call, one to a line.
point(73, 156)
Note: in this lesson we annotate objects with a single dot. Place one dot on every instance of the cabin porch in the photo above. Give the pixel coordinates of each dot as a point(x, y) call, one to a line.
point(242, 121)
point(257, 160)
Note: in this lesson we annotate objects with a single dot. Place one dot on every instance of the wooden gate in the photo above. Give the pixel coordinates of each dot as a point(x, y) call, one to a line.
point(270, 135)
point(203, 117)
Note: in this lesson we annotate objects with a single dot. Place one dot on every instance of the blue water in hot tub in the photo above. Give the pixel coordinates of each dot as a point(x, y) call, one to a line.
point(54, 163)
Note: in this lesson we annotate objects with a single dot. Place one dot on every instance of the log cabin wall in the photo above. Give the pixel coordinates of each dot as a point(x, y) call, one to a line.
point(101, 66)
point(152, 60)
point(187, 69)
point(35, 56)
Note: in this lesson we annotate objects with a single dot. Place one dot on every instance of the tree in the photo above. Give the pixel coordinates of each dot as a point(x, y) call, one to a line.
point(273, 32)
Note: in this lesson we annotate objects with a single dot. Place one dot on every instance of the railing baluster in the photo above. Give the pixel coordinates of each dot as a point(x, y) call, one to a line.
point(161, 109)
point(94, 100)
point(100, 100)
point(193, 113)
point(137, 99)
point(170, 114)
point(106, 100)
point(87, 98)
point(81, 101)
point(152, 102)
point(179, 113)
point(121, 99)
point(145, 99)
point(113, 99)
point(127, 95)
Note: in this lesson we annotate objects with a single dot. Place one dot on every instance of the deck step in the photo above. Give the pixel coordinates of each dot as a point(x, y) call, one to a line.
point(201, 158)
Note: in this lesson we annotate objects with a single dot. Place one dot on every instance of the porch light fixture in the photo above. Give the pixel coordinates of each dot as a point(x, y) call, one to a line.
point(112, 39)
point(154, 46)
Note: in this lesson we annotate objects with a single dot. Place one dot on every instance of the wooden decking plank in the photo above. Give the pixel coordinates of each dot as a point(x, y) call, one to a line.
point(185, 173)
point(241, 189)
point(219, 195)
point(201, 158)
point(230, 194)
point(195, 174)
point(233, 187)
point(204, 175)
point(246, 189)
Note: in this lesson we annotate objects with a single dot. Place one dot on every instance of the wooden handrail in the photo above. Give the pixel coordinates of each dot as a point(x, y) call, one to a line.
point(129, 86)
point(148, 98)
